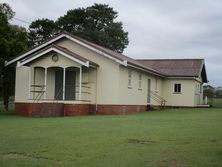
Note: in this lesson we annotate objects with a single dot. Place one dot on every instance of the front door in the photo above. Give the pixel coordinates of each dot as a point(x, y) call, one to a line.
point(148, 90)
point(58, 85)
point(70, 85)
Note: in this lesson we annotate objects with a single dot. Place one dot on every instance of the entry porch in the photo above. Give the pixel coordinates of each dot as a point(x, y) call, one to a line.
point(62, 85)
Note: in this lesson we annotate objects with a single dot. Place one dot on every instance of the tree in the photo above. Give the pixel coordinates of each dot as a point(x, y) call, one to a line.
point(6, 11)
point(40, 30)
point(13, 40)
point(208, 91)
point(212, 92)
point(218, 92)
point(96, 23)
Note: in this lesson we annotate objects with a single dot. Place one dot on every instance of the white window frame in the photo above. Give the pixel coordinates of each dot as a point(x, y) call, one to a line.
point(140, 82)
point(198, 88)
point(177, 89)
point(129, 78)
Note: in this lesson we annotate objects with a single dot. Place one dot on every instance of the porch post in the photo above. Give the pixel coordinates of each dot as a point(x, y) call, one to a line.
point(29, 93)
point(45, 82)
point(64, 83)
point(80, 83)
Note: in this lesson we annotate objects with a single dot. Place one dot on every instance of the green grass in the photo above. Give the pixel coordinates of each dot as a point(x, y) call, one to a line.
point(175, 138)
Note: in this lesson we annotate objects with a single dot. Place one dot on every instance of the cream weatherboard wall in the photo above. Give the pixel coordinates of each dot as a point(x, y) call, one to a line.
point(104, 81)
point(22, 89)
point(108, 83)
point(22, 84)
point(89, 85)
point(46, 61)
point(134, 94)
point(185, 98)
point(198, 92)
point(107, 72)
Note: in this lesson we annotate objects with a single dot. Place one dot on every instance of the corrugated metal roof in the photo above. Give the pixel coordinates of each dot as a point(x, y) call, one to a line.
point(175, 67)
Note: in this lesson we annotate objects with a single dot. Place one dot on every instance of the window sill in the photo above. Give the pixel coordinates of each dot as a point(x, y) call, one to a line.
point(140, 89)
point(177, 93)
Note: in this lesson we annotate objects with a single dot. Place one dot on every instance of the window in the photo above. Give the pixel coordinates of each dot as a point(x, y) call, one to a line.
point(201, 89)
point(177, 88)
point(198, 88)
point(140, 81)
point(129, 78)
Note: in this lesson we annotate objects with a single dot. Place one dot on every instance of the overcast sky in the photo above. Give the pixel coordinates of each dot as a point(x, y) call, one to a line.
point(157, 28)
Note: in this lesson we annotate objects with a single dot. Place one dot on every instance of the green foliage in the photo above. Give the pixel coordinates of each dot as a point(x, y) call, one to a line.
point(218, 92)
point(13, 40)
point(217, 103)
point(172, 138)
point(40, 30)
point(6, 11)
point(96, 23)
point(208, 91)
point(212, 92)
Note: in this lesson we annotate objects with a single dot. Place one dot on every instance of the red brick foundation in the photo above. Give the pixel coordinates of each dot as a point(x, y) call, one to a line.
point(78, 109)
point(60, 109)
point(39, 109)
point(120, 109)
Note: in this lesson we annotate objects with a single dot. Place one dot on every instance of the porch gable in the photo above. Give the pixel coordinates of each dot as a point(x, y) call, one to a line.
point(57, 50)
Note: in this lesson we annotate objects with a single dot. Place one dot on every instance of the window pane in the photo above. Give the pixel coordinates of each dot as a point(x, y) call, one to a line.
point(177, 88)
point(129, 78)
point(140, 80)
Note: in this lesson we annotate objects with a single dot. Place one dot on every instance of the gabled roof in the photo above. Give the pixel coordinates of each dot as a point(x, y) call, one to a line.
point(61, 50)
point(177, 67)
point(115, 56)
point(161, 67)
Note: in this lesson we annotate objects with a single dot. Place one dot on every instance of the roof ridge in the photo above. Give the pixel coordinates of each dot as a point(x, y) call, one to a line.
point(104, 49)
point(118, 56)
point(159, 59)
point(93, 43)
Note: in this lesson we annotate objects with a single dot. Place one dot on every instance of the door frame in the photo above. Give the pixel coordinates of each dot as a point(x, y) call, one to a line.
point(148, 91)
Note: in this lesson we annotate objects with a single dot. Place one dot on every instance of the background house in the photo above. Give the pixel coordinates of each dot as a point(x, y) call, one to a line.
point(68, 75)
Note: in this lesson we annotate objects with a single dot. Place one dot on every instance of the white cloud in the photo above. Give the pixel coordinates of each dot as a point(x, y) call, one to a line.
point(157, 29)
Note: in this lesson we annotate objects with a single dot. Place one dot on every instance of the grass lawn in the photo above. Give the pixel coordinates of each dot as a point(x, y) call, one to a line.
point(170, 138)
point(217, 103)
